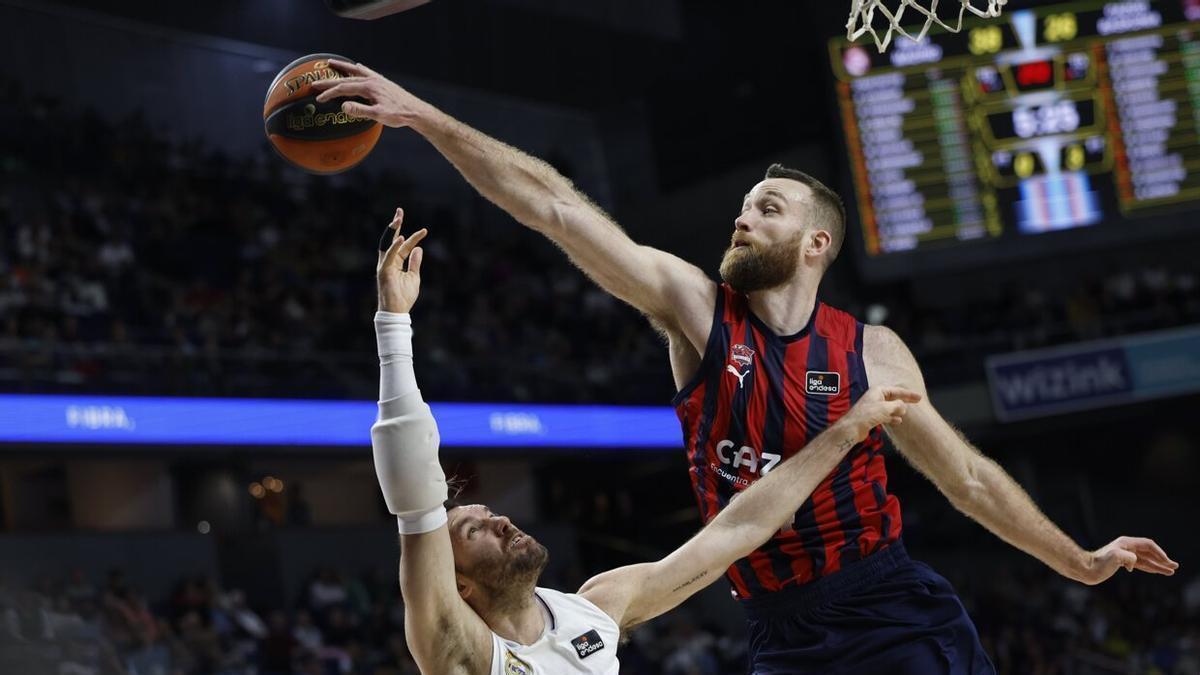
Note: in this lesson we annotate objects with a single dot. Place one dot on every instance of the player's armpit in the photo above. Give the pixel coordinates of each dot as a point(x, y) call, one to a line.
point(685, 358)
point(612, 592)
point(444, 634)
point(689, 298)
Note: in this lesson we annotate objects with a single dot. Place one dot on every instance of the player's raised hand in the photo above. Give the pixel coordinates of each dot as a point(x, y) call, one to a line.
point(880, 405)
point(1132, 553)
point(398, 284)
point(383, 100)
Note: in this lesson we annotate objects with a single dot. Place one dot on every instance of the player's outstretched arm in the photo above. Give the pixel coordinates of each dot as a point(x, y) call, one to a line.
point(980, 488)
point(444, 634)
point(658, 284)
point(637, 593)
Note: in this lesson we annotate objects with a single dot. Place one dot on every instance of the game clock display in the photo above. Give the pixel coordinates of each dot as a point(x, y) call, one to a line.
point(1061, 117)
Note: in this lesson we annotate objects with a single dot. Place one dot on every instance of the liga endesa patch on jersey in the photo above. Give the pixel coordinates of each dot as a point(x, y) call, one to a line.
point(587, 644)
point(822, 383)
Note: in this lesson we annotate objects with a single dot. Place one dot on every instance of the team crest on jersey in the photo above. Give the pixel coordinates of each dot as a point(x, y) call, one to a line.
point(822, 383)
point(587, 644)
point(515, 666)
point(741, 361)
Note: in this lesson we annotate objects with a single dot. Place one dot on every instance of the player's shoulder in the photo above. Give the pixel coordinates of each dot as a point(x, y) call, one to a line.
point(575, 600)
point(575, 609)
point(888, 359)
point(838, 325)
point(882, 343)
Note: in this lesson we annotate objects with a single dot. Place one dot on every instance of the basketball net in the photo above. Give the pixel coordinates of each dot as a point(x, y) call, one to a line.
point(862, 17)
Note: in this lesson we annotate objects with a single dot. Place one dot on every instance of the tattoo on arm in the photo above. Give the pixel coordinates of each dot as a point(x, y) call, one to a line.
point(846, 445)
point(689, 582)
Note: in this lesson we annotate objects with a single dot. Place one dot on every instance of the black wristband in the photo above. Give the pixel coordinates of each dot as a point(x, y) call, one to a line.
point(385, 240)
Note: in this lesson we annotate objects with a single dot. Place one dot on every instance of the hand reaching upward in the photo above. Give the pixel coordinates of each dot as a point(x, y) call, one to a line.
point(399, 284)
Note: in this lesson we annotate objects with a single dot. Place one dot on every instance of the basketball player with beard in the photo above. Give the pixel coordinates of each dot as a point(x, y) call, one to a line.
point(469, 576)
point(763, 367)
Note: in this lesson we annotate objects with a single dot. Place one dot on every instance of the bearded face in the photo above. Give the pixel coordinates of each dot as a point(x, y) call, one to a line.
point(757, 267)
point(496, 556)
point(517, 566)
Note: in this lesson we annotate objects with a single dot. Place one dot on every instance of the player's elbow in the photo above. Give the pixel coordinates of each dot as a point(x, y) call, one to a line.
point(967, 489)
point(404, 446)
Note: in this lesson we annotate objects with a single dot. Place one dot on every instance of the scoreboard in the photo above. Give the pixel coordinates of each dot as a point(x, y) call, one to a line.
point(1082, 116)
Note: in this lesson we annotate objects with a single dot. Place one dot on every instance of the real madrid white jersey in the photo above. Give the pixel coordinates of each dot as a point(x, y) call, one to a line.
point(580, 639)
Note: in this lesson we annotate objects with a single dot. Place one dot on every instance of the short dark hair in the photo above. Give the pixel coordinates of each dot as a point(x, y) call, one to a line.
point(830, 210)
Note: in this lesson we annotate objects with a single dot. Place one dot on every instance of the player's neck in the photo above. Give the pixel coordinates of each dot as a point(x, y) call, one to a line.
point(521, 621)
point(786, 309)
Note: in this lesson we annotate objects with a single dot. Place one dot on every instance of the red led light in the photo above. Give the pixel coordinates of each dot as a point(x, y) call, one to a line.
point(1035, 74)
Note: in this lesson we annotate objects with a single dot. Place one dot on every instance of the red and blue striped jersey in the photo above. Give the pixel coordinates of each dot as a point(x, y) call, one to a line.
point(756, 400)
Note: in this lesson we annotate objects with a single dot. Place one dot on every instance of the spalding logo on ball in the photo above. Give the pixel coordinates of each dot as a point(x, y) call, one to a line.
point(317, 137)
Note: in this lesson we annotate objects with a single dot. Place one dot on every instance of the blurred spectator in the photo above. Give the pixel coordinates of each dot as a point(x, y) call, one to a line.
point(1030, 619)
point(326, 591)
point(132, 264)
point(278, 648)
point(306, 632)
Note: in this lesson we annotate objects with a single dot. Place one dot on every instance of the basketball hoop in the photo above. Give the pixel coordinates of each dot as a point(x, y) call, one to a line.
point(862, 17)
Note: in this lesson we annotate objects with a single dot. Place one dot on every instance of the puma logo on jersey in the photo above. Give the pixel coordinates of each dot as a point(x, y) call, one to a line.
point(741, 362)
point(587, 644)
point(740, 376)
point(822, 383)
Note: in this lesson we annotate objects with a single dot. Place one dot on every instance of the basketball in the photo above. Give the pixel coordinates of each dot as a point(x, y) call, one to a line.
point(317, 137)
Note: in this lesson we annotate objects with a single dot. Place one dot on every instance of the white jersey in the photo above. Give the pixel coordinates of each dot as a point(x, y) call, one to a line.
point(580, 639)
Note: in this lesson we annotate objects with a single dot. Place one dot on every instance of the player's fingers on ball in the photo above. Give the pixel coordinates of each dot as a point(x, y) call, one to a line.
point(322, 85)
point(331, 89)
point(356, 109)
point(345, 88)
point(347, 67)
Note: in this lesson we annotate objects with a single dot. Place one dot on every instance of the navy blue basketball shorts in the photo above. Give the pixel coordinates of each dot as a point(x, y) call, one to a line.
point(884, 614)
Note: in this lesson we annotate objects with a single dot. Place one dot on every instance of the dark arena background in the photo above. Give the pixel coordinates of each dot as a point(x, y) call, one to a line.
point(188, 366)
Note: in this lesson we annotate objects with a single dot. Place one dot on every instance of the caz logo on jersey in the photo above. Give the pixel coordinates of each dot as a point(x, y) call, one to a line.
point(741, 360)
point(587, 644)
point(823, 383)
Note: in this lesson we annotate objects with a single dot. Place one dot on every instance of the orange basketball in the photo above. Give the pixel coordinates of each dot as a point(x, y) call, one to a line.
point(317, 137)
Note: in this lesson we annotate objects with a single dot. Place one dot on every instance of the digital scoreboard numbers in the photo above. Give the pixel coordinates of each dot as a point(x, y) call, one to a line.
point(1075, 116)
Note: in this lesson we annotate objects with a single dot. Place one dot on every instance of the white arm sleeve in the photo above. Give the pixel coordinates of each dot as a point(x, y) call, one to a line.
point(393, 333)
point(404, 440)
